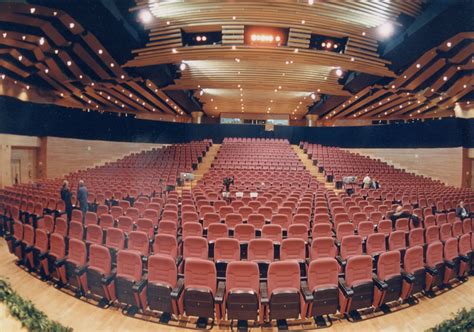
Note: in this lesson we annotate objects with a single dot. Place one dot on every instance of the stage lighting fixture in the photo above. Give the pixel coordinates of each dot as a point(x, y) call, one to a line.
point(182, 66)
point(145, 16)
point(386, 30)
point(339, 72)
point(313, 96)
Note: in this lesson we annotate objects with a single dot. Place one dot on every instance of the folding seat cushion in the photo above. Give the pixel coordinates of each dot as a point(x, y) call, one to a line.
point(432, 234)
point(94, 235)
point(163, 287)
point(192, 229)
point(356, 291)
point(273, 232)
point(445, 232)
point(416, 237)
point(451, 259)
point(385, 227)
point(466, 253)
point(200, 289)
point(90, 219)
point(397, 241)
point(130, 287)
point(15, 239)
point(232, 220)
point(323, 247)
point(138, 241)
point(323, 285)
point(284, 290)
point(389, 281)
point(344, 229)
point(76, 231)
point(210, 218)
point(145, 225)
point(435, 266)
point(107, 221)
point(244, 232)
point(74, 267)
point(125, 224)
point(55, 257)
point(256, 219)
point(61, 226)
point(298, 231)
point(242, 300)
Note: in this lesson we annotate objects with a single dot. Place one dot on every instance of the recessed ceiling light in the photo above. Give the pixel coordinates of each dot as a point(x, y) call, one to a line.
point(174, 50)
point(69, 63)
point(32, 10)
point(303, 21)
point(4, 35)
point(168, 22)
point(71, 25)
point(237, 59)
point(233, 17)
point(448, 44)
point(41, 41)
point(20, 58)
point(80, 76)
point(112, 65)
point(418, 65)
point(233, 47)
point(46, 70)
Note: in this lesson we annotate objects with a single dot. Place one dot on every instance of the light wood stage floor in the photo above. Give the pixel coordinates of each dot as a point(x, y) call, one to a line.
point(82, 316)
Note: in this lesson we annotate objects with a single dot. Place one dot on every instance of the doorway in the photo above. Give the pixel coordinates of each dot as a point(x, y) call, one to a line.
point(16, 171)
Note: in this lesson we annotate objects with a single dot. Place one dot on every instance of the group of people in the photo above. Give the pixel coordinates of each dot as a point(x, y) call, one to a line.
point(82, 194)
point(370, 183)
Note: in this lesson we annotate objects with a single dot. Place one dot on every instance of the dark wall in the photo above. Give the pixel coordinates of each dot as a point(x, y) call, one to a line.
point(47, 120)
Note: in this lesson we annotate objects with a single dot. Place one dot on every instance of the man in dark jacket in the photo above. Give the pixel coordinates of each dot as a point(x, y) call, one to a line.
point(82, 198)
point(462, 211)
point(66, 197)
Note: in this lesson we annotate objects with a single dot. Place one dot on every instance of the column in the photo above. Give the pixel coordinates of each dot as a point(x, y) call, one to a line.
point(5, 165)
point(311, 120)
point(197, 117)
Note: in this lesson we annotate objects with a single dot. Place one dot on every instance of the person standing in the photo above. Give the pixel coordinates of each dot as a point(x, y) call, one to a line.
point(366, 182)
point(66, 197)
point(82, 198)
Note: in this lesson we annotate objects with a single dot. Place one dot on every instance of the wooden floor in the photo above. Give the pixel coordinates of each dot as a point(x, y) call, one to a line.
point(82, 316)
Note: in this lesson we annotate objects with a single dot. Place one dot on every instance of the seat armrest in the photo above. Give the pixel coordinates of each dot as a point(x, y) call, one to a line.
point(219, 298)
point(464, 258)
point(382, 285)
point(264, 293)
point(344, 289)
point(179, 260)
point(60, 262)
point(431, 270)
point(28, 249)
point(450, 264)
point(106, 280)
point(176, 292)
point(340, 261)
point(408, 277)
point(80, 270)
point(43, 255)
point(139, 285)
point(308, 296)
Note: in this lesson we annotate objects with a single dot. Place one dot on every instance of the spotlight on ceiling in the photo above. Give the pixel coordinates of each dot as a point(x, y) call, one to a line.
point(41, 41)
point(182, 66)
point(386, 30)
point(310, 2)
point(313, 96)
point(201, 92)
point(339, 72)
point(145, 16)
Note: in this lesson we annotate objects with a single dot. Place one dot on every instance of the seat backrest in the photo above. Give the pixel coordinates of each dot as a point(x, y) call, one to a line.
point(451, 249)
point(445, 232)
point(434, 254)
point(465, 244)
point(273, 232)
point(298, 231)
point(244, 232)
point(242, 275)
point(429, 220)
point(413, 259)
point(402, 225)
point(192, 229)
point(28, 235)
point(256, 219)
point(162, 269)
point(138, 241)
point(48, 223)
point(280, 219)
point(344, 229)
point(168, 227)
point(323, 273)
point(260, 250)
point(323, 247)
point(301, 219)
point(18, 230)
point(322, 230)
point(116, 211)
point(375, 244)
point(358, 270)
point(432, 234)
point(76, 215)
point(233, 219)
point(106, 221)
point(189, 217)
point(41, 240)
point(351, 245)
point(94, 234)
point(129, 265)
point(61, 226)
point(58, 246)
point(416, 238)
point(76, 231)
point(200, 273)
point(388, 265)
point(365, 228)
point(226, 249)
point(321, 218)
point(293, 249)
point(217, 230)
point(397, 240)
point(99, 258)
point(91, 218)
point(145, 225)
point(166, 244)
point(77, 252)
point(195, 247)
point(210, 218)
point(115, 238)
point(125, 223)
point(283, 275)
point(385, 227)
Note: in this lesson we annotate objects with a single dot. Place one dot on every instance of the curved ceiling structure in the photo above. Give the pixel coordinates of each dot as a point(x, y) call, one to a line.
point(330, 60)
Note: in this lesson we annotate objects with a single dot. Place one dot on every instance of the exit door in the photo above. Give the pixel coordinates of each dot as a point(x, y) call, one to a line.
point(16, 171)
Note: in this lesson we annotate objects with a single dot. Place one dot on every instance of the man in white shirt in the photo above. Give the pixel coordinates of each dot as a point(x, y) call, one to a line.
point(366, 182)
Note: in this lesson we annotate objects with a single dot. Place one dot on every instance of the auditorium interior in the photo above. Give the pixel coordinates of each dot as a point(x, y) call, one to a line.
point(236, 165)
